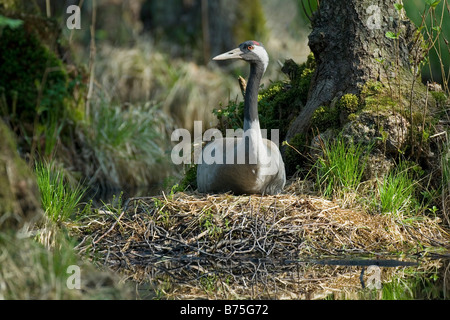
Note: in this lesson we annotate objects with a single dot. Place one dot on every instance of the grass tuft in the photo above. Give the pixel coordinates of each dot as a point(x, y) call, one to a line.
point(59, 199)
point(397, 192)
point(129, 144)
point(340, 168)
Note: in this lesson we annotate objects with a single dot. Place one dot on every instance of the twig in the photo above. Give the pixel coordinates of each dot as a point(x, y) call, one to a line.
point(110, 229)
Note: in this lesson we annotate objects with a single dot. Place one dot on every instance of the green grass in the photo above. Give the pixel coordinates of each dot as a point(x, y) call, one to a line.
point(340, 167)
point(339, 174)
point(396, 192)
point(416, 284)
point(59, 199)
point(129, 144)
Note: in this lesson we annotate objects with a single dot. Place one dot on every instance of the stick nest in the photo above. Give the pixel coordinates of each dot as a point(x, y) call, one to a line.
point(189, 235)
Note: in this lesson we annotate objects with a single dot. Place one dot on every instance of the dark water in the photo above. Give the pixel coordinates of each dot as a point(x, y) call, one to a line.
point(294, 279)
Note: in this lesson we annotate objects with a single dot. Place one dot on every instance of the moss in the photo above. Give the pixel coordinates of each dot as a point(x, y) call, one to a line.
point(325, 117)
point(277, 105)
point(38, 97)
point(187, 182)
point(33, 74)
point(190, 178)
point(300, 75)
point(352, 117)
point(304, 81)
point(348, 103)
point(440, 98)
point(375, 96)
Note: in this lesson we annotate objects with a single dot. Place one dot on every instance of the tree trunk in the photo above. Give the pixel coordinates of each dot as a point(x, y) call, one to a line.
point(347, 39)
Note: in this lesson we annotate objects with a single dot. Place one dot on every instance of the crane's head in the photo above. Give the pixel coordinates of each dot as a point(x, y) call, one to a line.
point(250, 51)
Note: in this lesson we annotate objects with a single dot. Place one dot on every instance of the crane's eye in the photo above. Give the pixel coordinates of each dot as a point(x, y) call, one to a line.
point(250, 47)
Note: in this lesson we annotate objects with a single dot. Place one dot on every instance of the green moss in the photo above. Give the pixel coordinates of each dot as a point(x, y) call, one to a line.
point(304, 81)
point(348, 103)
point(440, 97)
point(325, 117)
point(189, 181)
point(300, 75)
point(190, 178)
point(352, 117)
point(375, 96)
point(32, 74)
point(277, 105)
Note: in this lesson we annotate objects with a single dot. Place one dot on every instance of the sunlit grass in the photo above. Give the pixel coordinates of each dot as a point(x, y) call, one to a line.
point(186, 91)
point(59, 199)
point(396, 192)
point(340, 168)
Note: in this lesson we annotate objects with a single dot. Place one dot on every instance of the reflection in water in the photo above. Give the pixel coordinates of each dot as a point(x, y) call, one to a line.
point(256, 278)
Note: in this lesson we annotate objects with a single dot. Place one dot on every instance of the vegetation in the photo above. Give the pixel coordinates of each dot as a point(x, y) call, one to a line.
point(340, 169)
point(397, 193)
point(59, 200)
point(32, 78)
point(30, 271)
point(110, 127)
point(128, 145)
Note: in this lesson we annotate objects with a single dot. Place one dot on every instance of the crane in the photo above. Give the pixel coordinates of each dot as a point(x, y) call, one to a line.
point(251, 164)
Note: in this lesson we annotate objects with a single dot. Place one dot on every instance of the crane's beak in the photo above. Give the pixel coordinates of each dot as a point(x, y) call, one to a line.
point(233, 54)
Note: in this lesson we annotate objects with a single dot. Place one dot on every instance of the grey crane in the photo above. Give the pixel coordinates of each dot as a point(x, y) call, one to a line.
point(248, 164)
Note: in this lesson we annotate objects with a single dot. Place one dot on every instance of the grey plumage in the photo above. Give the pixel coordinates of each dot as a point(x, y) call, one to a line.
point(263, 171)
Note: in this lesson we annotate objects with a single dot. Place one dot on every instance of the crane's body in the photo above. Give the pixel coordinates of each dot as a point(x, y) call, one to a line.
point(262, 171)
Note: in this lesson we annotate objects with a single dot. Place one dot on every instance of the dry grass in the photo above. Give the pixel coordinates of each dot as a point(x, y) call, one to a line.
point(190, 245)
point(187, 92)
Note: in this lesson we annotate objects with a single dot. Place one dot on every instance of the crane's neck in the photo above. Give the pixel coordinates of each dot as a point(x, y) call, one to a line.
point(251, 119)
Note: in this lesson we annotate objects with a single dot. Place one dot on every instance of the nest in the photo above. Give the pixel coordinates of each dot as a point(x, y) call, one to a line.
point(185, 243)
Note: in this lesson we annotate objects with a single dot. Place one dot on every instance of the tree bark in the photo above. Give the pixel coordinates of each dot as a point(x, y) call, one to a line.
point(347, 38)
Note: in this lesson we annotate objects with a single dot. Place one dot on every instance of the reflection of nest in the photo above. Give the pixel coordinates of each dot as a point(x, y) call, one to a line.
point(248, 246)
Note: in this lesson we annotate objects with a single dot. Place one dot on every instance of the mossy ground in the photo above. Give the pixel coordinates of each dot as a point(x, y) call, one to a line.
point(33, 79)
point(316, 225)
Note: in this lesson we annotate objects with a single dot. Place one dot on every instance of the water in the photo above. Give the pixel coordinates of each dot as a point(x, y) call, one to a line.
point(191, 277)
